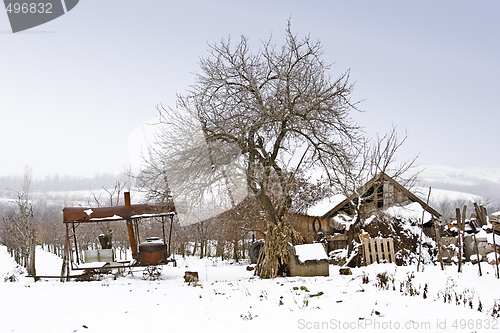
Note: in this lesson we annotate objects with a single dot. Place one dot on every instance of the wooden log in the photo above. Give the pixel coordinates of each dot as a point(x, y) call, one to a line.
point(191, 277)
point(484, 214)
point(345, 271)
point(38, 277)
point(480, 217)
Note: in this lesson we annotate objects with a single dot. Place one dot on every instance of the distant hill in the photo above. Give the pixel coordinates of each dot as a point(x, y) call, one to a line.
point(483, 182)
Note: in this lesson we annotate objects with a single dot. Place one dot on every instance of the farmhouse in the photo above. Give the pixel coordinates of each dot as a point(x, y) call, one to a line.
point(378, 194)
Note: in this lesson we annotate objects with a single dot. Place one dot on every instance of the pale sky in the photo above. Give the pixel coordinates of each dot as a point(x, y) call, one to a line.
point(74, 89)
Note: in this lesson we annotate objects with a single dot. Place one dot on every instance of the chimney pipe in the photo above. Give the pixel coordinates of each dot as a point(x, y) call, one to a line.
point(130, 225)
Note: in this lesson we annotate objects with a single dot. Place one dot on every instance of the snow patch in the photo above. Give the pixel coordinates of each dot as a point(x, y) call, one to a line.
point(412, 211)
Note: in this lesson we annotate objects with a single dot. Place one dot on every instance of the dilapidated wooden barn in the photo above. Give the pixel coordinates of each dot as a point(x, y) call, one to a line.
point(378, 194)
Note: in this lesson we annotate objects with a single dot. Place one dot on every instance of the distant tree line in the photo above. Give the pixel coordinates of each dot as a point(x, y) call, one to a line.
point(57, 182)
point(30, 216)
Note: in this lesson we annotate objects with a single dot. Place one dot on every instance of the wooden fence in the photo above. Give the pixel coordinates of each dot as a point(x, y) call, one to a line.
point(380, 250)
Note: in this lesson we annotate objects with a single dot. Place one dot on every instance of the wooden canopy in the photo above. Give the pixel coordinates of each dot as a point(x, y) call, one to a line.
point(87, 214)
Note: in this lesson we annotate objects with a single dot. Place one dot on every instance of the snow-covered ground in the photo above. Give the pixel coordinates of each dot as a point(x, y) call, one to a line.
point(229, 299)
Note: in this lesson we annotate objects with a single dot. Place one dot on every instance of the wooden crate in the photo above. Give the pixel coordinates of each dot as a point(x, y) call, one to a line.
point(380, 250)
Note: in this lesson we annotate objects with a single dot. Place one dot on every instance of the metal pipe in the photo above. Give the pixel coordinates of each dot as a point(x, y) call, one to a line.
point(170, 234)
point(76, 244)
point(163, 228)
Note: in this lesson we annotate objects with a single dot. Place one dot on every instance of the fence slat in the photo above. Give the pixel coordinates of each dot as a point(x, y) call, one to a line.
point(378, 241)
point(366, 251)
point(391, 249)
point(372, 250)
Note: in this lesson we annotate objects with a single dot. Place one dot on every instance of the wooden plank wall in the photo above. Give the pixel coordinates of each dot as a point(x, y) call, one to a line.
point(380, 250)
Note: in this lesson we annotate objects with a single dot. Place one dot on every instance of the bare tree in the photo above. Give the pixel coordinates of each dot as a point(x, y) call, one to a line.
point(372, 158)
point(283, 112)
point(20, 227)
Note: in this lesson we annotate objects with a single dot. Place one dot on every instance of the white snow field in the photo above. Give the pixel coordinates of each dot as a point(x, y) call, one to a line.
point(229, 299)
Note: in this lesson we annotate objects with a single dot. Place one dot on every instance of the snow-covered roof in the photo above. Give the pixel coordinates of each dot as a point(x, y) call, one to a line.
point(323, 206)
point(314, 251)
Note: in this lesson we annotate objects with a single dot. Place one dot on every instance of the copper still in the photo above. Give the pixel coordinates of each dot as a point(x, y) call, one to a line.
point(152, 252)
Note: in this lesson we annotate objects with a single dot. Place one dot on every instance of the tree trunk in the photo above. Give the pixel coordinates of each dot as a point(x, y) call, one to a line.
point(235, 250)
point(219, 252)
point(31, 256)
point(202, 248)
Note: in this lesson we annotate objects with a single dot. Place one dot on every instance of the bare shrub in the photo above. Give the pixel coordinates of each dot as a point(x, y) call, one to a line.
point(383, 280)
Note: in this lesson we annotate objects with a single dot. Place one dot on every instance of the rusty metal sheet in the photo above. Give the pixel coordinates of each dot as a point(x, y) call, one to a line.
point(88, 214)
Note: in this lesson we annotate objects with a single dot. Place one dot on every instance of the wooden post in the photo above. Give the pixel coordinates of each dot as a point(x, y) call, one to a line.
point(495, 248)
point(438, 240)
point(477, 254)
point(495, 226)
point(478, 214)
point(65, 265)
point(463, 227)
point(459, 225)
point(422, 230)
point(481, 214)
point(485, 214)
point(76, 244)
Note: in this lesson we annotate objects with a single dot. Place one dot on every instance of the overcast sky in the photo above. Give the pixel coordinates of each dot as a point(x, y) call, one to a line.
point(73, 90)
